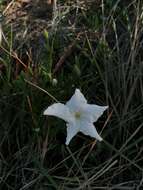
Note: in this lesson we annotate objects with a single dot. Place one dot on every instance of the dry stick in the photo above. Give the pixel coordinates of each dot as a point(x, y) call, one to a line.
point(14, 55)
point(98, 174)
point(36, 86)
point(8, 6)
point(78, 166)
point(118, 152)
point(70, 49)
point(66, 54)
point(44, 147)
point(31, 183)
point(2, 36)
point(94, 143)
point(54, 5)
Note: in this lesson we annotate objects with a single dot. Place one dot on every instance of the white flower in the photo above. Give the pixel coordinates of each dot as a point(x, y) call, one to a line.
point(78, 114)
point(54, 82)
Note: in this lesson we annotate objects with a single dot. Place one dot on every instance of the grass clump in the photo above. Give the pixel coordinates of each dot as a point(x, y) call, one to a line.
point(97, 49)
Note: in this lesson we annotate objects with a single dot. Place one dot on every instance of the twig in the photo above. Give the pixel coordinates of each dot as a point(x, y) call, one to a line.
point(66, 54)
point(32, 84)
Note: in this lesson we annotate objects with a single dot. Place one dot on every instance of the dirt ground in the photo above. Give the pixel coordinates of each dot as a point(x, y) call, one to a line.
point(27, 18)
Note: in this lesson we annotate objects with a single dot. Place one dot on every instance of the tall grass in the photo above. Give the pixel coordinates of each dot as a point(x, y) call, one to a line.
point(100, 52)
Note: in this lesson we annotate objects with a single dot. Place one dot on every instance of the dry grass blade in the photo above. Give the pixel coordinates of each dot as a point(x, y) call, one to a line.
point(41, 89)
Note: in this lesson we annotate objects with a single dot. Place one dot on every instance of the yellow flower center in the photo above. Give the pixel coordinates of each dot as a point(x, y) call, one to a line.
point(77, 115)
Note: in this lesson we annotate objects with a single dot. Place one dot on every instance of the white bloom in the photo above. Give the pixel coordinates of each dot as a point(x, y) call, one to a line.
point(78, 114)
point(54, 82)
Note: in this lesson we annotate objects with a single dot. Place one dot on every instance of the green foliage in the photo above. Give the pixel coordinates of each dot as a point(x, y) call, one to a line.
point(106, 64)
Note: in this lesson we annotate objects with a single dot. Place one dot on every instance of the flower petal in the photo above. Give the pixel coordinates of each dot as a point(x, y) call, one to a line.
point(89, 129)
point(76, 101)
point(93, 112)
point(59, 110)
point(72, 130)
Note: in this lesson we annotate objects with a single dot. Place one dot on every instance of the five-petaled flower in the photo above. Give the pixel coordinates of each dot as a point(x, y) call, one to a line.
point(78, 114)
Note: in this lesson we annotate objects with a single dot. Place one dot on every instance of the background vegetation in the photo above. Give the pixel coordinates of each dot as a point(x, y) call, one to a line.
point(95, 46)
